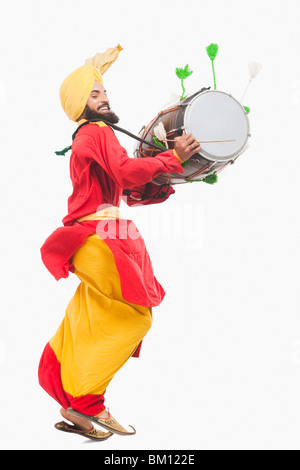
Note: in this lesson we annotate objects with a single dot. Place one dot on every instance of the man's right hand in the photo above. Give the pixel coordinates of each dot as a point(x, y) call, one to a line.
point(186, 146)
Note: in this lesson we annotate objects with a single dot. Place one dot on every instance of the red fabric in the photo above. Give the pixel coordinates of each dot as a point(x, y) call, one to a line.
point(50, 381)
point(138, 283)
point(138, 351)
point(100, 169)
point(49, 376)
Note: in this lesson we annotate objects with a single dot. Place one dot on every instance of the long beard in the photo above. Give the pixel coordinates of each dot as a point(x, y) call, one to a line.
point(111, 117)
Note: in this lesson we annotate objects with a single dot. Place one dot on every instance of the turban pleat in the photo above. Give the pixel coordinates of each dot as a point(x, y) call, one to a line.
point(77, 87)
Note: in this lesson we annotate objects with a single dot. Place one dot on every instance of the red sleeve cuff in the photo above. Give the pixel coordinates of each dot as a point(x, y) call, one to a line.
point(170, 161)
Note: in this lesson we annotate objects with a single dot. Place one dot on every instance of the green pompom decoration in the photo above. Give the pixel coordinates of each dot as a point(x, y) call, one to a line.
point(212, 51)
point(247, 109)
point(211, 179)
point(183, 74)
point(186, 163)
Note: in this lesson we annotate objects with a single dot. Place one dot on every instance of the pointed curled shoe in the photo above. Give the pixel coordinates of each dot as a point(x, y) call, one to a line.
point(107, 423)
point(93, 434)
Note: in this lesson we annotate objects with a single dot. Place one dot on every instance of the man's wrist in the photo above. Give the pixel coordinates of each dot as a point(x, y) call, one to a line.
point(177, 156)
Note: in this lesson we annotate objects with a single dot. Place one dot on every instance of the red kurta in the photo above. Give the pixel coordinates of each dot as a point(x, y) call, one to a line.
point(100, 169)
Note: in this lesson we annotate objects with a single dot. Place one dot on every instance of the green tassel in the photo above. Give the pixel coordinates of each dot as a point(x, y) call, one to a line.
point(63, 152)
point(210, 179)
point(247, 109)
point(158, 142)
point(183, 74)
point(186, 163)
point(212, 51)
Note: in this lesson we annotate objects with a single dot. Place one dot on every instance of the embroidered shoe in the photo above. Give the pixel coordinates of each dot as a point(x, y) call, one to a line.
point(107, 423)
point(93, 434)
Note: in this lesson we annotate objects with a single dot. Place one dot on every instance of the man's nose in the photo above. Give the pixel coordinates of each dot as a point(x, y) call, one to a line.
point(104, 98)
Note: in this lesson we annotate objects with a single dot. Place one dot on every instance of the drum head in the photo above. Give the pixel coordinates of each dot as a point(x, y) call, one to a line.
point(215, 115)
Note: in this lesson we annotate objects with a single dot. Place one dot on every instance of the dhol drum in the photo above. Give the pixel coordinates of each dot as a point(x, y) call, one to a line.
point(216, 119)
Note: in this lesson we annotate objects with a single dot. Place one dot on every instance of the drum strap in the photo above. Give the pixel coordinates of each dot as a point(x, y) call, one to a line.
point(117, 128)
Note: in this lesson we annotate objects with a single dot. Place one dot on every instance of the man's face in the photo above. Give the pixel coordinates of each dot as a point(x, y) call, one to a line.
point(98, 105)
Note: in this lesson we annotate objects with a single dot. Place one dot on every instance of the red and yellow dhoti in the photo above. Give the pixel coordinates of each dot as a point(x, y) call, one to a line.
point(99, 333)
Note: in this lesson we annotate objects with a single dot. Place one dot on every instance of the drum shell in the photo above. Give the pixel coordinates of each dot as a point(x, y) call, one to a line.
point(198, 166)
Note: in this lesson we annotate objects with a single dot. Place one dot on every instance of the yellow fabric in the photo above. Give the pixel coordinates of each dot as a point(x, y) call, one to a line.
point(102, 61)
point(100, 123)
point(77, 87)
point(177, 156)
point(100, 331)
point(111, 212)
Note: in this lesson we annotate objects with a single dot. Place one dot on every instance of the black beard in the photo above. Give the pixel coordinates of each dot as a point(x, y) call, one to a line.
point(111, 117)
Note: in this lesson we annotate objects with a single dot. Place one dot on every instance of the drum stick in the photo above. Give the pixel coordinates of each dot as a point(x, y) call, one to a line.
point(207, 141)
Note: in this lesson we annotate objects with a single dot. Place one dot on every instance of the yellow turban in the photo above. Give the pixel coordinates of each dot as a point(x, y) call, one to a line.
point(77, 87)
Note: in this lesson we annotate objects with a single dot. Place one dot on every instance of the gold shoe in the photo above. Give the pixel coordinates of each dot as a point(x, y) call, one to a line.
point(107, 423)
point(93, 434)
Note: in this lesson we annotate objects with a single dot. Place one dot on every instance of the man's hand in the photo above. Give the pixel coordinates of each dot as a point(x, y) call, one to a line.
point(186, 146)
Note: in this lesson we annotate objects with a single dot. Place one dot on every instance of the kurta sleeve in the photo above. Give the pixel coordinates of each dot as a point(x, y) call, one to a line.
point(102, 145)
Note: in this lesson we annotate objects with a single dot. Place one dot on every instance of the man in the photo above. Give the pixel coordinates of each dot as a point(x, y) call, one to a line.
point(111, 311)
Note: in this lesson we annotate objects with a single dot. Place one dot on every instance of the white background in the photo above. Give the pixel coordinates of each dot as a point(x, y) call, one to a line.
point(221, 367)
